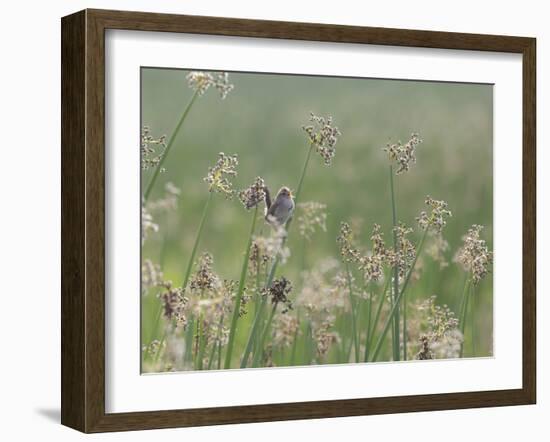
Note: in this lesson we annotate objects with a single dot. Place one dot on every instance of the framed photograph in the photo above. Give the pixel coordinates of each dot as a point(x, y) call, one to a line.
point(267, 220)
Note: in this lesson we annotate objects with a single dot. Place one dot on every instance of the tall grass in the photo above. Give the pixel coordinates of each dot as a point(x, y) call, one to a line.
point(240, 311)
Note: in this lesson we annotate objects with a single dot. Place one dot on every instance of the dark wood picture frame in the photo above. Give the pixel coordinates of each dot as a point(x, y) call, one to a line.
point(83, 220)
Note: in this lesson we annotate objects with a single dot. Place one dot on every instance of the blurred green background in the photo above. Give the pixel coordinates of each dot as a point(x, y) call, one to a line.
point(261, 121)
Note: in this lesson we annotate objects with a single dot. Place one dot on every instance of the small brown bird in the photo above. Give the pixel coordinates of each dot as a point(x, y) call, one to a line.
point(278, 213)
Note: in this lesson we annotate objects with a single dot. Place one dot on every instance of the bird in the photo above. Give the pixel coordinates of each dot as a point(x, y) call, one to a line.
point(281, 210)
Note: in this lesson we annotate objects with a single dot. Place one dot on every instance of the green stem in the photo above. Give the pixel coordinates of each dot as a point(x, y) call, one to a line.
point(252, 335)
point(395, 291)
point(394, 306)
point(188, 357)
point(376, 319)
point(168, 147)
point(237, 306)
point(473, 315)
point(200, 342)
point(404, 307)
point(216, 343)
point(353, 318)
point(258, 355)
point(156, 323)
point(369, 320)
point(219, 355)
point(197, 240)
point(309, 345)
point(463, 309)
point(301, 182)
point(295, 343)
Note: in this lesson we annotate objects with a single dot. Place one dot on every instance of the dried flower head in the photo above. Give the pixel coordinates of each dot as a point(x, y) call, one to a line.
point(151, 275)
point(221, 83)
point(322, 291)
point(372, 265)
point(347, 250)
point(436, 250)
point(436, 328)
point(204, 278)
point(253, 195)
point(200, 82)
point(403, 154)
point(278, 292)
point(313, 215)
point(174, 303)
point(474, 255)
point(323, 135)
point(404, 254)
point(147, 224)
point(152, 149)
point(266, 248)
point(436, 220)
point(152, 348)
point(285, 329)
point(218, 175)
point(169, 201)
point(325, 338)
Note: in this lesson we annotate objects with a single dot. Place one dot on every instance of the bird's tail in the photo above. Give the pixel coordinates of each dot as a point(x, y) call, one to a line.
point(267, 198)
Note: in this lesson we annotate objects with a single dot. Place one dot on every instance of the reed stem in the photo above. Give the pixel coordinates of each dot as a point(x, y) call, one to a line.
point(242, 280)
point(153, 179)
point(395, 290)
point(394, 306)
point(353, 317)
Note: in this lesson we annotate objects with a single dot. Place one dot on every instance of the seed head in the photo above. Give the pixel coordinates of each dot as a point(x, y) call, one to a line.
point(218, 177)
point(169, 201)
point(474, 255)
point(436, 328)
point(200, 81)
point(372, 264)
point(404, 254)
point(323, 135)
point(403, 154)
point(436, 220)
point(253, 195)
point(313, 215)
point(174, 303)
point(204, 278)
point(152, 348)
point(325, 338)
point(347, 250)
point(437, 249)
point(285, 328)
point(147, 224)
point(151, 275)
point(152, 149)
point(266, 248)
point(278, 292)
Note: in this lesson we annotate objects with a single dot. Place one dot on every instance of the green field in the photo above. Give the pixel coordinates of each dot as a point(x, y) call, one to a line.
point(261, 121)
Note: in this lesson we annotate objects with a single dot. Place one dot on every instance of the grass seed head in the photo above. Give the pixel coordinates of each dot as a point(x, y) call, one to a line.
point(201, 81)
point(152, 149)
point(254, 194)
point(219, 176)
point(403, 154)
point(436, 220)
point(313, 215)
point(324, 136)
point(474, 255)
point(278, 292)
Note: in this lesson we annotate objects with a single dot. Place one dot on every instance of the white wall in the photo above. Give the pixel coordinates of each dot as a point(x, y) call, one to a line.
point(30, 231)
